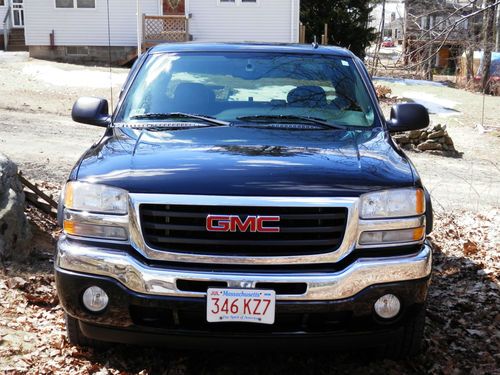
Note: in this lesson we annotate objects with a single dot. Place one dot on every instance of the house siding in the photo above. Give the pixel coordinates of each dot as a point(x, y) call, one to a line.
point(266, 21)
point(84, 27)
point(3, 12)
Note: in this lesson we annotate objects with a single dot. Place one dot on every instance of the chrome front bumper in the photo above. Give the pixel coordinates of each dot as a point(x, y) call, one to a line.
point(138, 277)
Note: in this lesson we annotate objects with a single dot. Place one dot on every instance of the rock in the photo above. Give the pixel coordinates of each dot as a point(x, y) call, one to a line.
point(414, 148)
point(14, 230)
point(434, 140)
point(437, 152)
point(407, 146)
point(436, 134)
point(428, 145)
point(401, 138)
point(414, 134)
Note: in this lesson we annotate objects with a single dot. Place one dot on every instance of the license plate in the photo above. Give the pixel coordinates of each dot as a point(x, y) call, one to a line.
point(241, 305)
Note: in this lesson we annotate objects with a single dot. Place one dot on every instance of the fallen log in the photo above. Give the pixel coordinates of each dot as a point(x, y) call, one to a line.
point(38, 198)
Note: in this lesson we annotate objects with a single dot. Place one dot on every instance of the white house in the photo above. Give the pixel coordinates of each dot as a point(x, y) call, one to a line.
point(3, 12)
point(12, 25)
point(77, 30)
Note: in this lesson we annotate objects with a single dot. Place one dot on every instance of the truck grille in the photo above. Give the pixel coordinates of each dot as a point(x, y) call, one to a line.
point(303, 230)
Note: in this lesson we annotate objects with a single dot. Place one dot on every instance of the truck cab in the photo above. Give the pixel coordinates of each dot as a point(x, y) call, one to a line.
point(246, 193)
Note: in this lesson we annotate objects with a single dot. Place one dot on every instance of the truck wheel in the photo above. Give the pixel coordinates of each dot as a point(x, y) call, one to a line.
point(76, 336)
point(409, 342)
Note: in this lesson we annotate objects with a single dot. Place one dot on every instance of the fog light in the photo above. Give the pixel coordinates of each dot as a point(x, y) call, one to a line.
point(387, 306)
point(95, 299)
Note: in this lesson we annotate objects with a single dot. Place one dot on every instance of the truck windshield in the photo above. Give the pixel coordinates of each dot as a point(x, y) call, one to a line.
point(249, 87)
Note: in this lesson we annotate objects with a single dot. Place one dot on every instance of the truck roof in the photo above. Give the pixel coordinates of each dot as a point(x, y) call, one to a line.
point(254, 47)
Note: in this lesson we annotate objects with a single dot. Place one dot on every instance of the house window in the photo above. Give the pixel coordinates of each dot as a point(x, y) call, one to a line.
point(64, 4)
point(77, 51)
point(75, 3)
point(2, 3)
point(85, 3)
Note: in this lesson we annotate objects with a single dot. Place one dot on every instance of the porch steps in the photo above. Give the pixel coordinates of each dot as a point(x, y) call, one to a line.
point(17, 41)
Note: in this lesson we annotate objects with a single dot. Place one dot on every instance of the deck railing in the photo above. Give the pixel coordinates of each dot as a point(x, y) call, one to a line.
point(164, 29)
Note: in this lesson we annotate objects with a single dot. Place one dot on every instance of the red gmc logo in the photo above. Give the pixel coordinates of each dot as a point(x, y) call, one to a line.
point(233, 223)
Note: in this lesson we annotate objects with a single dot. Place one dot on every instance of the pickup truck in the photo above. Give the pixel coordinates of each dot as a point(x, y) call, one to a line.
point(246, 194)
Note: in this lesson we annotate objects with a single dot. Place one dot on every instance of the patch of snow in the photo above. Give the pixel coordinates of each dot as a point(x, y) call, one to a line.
point(435, 105)
point(409, 82)
point(9, 57)
point(74, 77)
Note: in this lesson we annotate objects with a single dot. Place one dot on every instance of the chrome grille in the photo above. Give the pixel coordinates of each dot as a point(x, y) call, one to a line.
point(303, 230)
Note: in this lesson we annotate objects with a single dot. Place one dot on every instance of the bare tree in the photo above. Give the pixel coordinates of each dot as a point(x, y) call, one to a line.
point(431, 25)
point(488, 42)
point(379, 39)
point(474, 30)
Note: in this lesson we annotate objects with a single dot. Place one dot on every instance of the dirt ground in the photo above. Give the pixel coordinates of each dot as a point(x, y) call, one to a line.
point(462, 334)
point(473, 181)
point(36, 98)
point(38, 134)
point(463, 326)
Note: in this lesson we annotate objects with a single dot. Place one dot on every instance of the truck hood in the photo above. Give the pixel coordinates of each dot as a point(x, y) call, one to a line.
point(247, 161)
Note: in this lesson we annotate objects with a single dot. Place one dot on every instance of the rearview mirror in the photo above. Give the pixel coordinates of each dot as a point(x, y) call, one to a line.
point(408, 116)
point(92, 111)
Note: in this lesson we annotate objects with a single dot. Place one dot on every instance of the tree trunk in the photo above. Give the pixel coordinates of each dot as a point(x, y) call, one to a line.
point(379, 41)
point(473, 32)
point(429, 63)
point(405, 37)
point(488, 41)
point(497, 43)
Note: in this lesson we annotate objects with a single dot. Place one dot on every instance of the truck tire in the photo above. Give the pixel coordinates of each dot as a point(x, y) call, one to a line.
point(409, 342)
point(76, 336)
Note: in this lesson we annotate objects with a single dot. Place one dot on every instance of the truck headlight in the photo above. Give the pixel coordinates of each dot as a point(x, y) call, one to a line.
point(95, 211)
point(392, 204)
point(83, 196)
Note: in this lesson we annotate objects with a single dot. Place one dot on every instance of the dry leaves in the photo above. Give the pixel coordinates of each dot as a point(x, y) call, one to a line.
point(470, 248)
point(383, 92)
point(462, 333)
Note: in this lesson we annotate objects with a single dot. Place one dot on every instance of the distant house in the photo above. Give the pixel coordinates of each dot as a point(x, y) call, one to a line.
point(77, 30)
point(421, 26)
point(428, 28)
point(394, 13)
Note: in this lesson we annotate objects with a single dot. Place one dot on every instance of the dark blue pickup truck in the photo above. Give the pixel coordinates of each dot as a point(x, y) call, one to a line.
point(246, 194)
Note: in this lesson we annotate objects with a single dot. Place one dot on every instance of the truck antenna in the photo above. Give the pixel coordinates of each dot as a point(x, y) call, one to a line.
point(109, 63)
point(315, 43)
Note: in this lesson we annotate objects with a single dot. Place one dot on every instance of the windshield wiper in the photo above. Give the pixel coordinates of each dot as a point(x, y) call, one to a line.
point(288, 118)
point(180, 115)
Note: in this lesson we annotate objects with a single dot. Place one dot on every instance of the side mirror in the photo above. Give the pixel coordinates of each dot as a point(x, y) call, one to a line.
point(92, 111)
point(408, 116)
